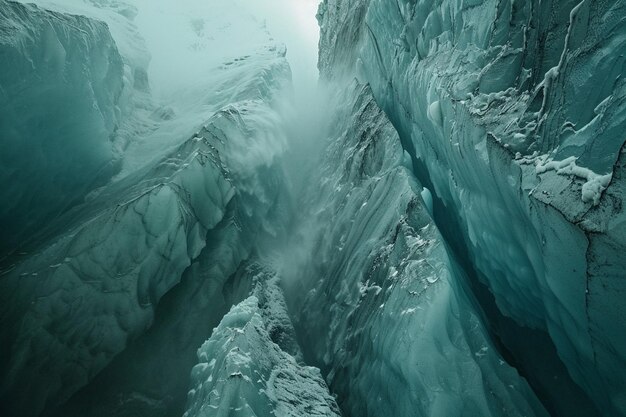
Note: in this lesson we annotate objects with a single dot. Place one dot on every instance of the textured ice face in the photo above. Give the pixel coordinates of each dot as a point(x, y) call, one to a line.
point(245, 369)
point(454, 249)
point(59, 95)
point(93, 289)
point(93, 286)
point(513, 115)
point(380, 306)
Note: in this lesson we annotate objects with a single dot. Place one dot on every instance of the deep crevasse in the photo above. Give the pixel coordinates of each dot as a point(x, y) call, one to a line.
point(513, 115)
point(380, 307)
point(451, 300)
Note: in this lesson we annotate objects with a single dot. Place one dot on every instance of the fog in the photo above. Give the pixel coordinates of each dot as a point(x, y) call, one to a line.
point(187, 39)
point(293, 23)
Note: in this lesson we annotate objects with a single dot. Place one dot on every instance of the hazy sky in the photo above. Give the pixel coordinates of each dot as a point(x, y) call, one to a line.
point(166, 26)
point(293, 23)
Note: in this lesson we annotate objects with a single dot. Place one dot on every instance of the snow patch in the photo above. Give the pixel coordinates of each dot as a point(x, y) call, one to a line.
point(594, 184)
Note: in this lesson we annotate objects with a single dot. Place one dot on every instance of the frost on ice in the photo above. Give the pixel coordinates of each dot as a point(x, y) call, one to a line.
point(439, 233)
point(244, 370)
point(594, 184)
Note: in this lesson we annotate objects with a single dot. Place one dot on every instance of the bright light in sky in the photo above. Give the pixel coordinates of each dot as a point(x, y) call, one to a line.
point(167, 27)
point(293, 23)
point(307, 30)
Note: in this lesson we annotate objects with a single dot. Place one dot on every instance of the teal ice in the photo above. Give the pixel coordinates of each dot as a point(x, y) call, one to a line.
point(195, 221)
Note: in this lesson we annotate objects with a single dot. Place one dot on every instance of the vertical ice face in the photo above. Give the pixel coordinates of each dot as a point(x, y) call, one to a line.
point(513, 115)
point(61, 80)
point(91, 290)
point(379, 305)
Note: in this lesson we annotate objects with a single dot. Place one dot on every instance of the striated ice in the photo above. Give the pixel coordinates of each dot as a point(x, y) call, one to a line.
point(513, 115)
point(118, 254)
point(437, 231)
point(386, 318)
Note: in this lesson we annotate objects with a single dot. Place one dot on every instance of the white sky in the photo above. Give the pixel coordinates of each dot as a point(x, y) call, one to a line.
point(293, 23)
point(165, 24)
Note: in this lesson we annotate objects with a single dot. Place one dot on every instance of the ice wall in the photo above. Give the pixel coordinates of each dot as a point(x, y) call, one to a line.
point(445, 219)
point(121, 270)
point(513, 115)
point(379, 305)
point(61, 80)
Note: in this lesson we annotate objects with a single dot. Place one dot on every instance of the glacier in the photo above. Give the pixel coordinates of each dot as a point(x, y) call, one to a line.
point(486, 99)
point(388, 319)
point(192, 225)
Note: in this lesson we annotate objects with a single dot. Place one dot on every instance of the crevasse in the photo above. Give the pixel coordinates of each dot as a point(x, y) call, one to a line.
point(438, 232)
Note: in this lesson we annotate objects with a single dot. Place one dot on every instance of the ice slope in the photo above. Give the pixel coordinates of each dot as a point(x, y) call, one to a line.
point(246, 368)
point(90, 290)
point(61, 82)
point(93, 289)
point(379, 305)
point(513, 114)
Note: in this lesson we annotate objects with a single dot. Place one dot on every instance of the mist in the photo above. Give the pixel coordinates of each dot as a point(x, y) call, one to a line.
point(195, 223)
point(187, 40)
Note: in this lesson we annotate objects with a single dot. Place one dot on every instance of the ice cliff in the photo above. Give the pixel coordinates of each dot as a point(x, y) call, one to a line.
point(513, 115)
point(382, 310)
point(146, 254)
point(53, 155)
point(439, 232)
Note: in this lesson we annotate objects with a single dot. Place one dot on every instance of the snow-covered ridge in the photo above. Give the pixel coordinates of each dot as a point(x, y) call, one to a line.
point(245, 369)
point(484, 94)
